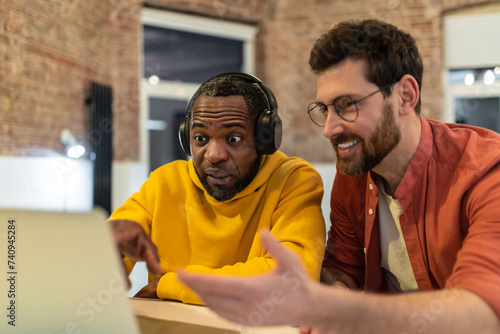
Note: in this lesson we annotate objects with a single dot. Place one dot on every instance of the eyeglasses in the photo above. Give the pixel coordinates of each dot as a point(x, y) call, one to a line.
point(344, 106)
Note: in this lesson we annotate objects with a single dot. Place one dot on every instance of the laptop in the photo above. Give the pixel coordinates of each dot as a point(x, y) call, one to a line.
point(60, 273)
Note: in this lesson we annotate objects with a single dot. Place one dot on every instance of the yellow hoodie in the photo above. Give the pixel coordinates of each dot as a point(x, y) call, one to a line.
point(194, 231)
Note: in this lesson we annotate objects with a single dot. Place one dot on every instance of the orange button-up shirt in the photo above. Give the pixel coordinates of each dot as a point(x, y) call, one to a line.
point(450, 195)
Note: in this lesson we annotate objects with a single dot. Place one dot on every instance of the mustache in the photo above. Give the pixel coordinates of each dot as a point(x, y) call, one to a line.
point(218, 168)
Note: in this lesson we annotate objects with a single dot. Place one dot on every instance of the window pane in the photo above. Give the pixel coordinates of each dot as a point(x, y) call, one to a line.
point(189, 57)
point(165, 116)
point(483, 112)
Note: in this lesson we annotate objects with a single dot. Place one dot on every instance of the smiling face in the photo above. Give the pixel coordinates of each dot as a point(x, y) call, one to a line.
point(360, 145)
point(222, 145)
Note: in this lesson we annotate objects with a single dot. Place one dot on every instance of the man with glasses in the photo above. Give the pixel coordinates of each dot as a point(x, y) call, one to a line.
point(415, 207)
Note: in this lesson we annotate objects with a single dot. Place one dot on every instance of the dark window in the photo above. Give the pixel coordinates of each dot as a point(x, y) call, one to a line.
point(165, 116)
point(175, 55)
point(483, 112)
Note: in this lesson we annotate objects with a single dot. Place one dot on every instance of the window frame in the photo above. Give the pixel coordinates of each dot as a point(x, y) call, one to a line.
point(181, 90)
point(475, 22)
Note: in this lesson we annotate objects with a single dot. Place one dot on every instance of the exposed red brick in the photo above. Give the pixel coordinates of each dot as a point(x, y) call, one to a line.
point(50, 51)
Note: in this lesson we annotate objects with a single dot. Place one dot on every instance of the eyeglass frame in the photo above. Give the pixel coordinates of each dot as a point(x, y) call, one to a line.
point(354, 102)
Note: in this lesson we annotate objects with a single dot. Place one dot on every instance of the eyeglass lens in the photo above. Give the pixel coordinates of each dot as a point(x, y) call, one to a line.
point(345, 107)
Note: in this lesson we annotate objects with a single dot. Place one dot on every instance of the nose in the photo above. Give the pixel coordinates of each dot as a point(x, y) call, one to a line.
point(216, 151)
point(334, 125)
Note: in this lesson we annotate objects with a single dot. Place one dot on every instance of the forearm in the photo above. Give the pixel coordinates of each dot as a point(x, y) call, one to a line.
point(444, 311)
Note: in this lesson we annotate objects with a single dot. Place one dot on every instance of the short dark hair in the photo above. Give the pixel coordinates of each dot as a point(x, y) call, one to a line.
point(230, 85)
point(389, 52)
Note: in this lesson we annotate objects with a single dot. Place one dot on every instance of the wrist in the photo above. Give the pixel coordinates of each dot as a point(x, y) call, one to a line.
point(312, 304)
point(323, 304)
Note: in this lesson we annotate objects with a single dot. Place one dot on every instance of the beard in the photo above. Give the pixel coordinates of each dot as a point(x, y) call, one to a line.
point(383, 140)
point(223, 192)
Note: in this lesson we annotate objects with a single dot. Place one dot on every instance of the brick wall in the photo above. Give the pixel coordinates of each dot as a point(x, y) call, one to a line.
point(50, 51)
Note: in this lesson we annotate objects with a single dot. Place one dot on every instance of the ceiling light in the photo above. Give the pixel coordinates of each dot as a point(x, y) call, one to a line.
point(489, 77)
point(469, 79)
point(153, 80)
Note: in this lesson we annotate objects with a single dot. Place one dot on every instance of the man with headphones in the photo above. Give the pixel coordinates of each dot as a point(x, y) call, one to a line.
point(205, 215)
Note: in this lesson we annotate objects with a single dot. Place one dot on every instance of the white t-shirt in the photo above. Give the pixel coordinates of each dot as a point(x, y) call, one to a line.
point(395, 261)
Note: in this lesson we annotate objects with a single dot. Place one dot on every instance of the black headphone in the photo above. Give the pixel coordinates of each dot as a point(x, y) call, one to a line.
point(268, 127)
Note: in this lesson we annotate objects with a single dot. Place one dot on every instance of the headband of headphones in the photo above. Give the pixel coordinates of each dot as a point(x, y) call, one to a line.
point(268, 126)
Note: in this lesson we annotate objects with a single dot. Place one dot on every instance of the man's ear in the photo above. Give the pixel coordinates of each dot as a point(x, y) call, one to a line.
point(409, 94)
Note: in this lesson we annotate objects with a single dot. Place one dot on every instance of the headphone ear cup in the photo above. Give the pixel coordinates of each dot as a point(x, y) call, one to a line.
point(184, 136)
point(268, 132)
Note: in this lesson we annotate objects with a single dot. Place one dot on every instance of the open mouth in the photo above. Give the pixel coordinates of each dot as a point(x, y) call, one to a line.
point(345, 146)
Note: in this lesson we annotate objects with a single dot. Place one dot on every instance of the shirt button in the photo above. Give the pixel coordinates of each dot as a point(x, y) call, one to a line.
point(370, 186)
point(370, 211)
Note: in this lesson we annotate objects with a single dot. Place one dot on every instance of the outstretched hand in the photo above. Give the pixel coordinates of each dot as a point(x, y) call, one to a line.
point(133, 242)
point(274, 298)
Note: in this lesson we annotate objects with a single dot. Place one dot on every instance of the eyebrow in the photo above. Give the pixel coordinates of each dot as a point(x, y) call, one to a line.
point(331, 102)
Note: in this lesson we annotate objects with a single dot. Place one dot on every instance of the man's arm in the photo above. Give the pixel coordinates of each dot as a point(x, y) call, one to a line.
point(334, 278)
point(442, 311)
point(286, 296)
point(169, 286)
point(131, 227)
